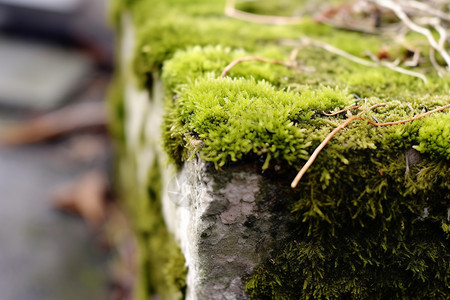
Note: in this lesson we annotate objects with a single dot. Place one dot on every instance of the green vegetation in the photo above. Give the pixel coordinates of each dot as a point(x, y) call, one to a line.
point(161, 263)
point(264, 111)
point(371, 223)
point(434, 136)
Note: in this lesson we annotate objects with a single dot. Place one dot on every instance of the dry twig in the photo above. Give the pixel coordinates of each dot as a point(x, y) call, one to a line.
point(325, 142)
point(308, 41)
point(440, 70)
point(255, 58)
point(414, 60)
point(421, 6)
point(399, 11)
point(342, 110)
point(411, 119)
point(359, 116)
point(374, 64)
point(394, 66)
point(54, 124)
point(231, 11)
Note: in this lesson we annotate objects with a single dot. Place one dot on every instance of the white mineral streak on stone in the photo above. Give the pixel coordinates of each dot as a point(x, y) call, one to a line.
point(137, 106)
point(176, 211)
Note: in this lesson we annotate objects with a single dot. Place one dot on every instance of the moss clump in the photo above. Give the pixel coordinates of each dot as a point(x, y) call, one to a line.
point(434, 136)
point(340, 268)
point(375, 210)
point(237, 117)
point(160, 40)
point(374, 235)
point(161, 264)
point(116, 108)
point(371, 224)
point(242, 116)
point(196, 62)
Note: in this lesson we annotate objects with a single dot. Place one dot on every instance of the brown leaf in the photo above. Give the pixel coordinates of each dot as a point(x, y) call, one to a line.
point(85, 197)
point(71, 118)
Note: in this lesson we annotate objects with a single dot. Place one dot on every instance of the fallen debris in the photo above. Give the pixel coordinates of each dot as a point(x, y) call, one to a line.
point(86, 115)
point(85, 197)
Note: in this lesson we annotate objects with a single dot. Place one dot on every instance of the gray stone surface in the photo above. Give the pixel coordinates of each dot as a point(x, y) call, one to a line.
point(225, 223)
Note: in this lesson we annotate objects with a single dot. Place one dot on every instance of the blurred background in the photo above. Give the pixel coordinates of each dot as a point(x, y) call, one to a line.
point(56, 59)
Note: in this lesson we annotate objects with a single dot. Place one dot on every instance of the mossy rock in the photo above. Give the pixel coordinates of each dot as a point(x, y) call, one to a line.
point(373, 210)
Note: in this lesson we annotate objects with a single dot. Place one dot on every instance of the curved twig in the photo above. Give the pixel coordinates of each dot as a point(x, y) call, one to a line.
point(337, 51)
point(254, 58)
point(231, 11)
point(421, 6)
point(398, 10)
point(318, 149)
point(394, 66)
point(325, 142)
point(347, 122)
point(341, 111)
point(411, 119)
point(374, 63)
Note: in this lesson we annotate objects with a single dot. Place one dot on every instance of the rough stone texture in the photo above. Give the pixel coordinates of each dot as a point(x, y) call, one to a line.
point(225, 224)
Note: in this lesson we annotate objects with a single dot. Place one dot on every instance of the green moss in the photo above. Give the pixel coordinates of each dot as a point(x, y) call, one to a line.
point(165, 263)
point(434, 136)
point(198, 61)
point(369, 225)
point(158, 41)
point(341, 268)
point(235, 117)
point(161, 264)
point(116, 110)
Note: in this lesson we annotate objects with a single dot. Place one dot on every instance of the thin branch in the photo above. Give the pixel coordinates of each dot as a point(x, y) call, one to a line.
point(359, 116)
point(341, 111)
point(411, 119)
point(394, 66)
point(398, 69)
point(293, 55)
point(374, 64)
point(318, 149)
point(425, 7)
point(254, 58)
point(439, 68)
point(325, 142)
point(231, 11)
point(443, 34)
point(398, 10)
point(414, 60)
point(337, 51)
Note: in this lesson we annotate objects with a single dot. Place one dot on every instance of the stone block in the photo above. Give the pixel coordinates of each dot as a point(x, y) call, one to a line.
point(205, 162)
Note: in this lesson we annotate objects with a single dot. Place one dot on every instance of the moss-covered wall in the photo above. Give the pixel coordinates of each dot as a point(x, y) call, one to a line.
point(373, 214)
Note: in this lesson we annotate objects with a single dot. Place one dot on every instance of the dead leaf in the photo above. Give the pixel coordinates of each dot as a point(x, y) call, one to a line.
point(85, 197)
point(69, 119)
point(86, 148)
